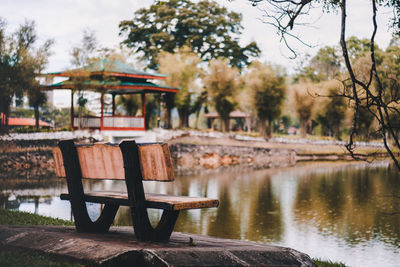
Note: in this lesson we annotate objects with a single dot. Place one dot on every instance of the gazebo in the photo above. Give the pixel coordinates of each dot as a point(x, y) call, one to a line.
point(114, 78)
point(236, 114)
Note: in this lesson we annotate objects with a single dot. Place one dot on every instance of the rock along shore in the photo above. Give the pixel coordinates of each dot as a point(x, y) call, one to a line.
point(119, 247)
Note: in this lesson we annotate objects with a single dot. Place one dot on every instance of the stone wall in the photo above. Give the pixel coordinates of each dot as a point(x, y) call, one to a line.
point(187, 158)
point(191, 158)
point(26, 164)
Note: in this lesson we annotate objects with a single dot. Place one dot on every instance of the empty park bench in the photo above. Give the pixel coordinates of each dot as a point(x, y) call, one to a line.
point(133, 163)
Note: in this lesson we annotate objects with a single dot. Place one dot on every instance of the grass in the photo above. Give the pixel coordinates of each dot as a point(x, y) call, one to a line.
point(17, 258)
point(327, 263)
point(11, 258)
point(25, 218)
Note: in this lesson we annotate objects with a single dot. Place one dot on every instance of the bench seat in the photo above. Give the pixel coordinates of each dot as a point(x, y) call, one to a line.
point(153, 201)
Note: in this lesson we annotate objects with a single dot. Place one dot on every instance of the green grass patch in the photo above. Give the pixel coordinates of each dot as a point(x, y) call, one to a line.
point(25, 218)
point(12, 258)
point(327, 263)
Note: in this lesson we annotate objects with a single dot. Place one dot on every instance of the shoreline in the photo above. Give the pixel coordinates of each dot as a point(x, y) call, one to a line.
point(191, 154)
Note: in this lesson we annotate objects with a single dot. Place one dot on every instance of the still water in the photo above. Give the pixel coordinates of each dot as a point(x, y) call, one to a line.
point(348, 212)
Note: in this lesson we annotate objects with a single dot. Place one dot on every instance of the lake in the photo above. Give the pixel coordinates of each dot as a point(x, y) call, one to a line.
point(348, 212)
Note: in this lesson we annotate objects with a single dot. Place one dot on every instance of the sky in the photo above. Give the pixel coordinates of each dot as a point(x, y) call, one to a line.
point(64, 21)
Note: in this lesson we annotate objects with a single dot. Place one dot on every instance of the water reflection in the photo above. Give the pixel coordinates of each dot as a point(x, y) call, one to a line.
point(356, 205)
point(340, 211)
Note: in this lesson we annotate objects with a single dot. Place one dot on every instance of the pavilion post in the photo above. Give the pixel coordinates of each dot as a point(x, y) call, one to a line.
point(144, 108)
point(102, 110)
point(72, 111)
point(113, 105)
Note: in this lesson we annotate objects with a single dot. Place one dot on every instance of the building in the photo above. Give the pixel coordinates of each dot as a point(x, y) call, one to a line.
point(110, 78)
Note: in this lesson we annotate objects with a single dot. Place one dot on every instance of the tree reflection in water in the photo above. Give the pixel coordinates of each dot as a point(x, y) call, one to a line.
point(354, 204)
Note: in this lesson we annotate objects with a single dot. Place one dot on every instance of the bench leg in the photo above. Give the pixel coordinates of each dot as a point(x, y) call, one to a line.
point(162, 232)
point(166, 225)
point(83, 222)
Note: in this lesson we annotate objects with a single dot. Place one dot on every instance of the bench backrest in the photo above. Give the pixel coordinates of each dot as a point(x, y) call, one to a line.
point(104, 161)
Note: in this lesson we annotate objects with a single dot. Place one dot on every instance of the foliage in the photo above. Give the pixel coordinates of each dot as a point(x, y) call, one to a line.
point(82, 55)
point(21, 112)
point(268, 91)
point(37, 59)
point(209, 29)
point(152, 104)
point(182, 68)
point(304, 106)
point(85, 52)
point(129, 103)
point(60, 117)
point(326, 63)
point(222, 83)
point(332, 113)
point(20, 62)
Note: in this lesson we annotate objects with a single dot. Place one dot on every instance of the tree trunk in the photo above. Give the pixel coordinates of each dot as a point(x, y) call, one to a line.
point(36, 109)
point(266, 130)
point(263, 129)
point(225, 125)
point(4, 122)
point(196, 124)
point(169, 100)
point(168, 119)
point(303, 128)
point(183, 118)
point(337, 132)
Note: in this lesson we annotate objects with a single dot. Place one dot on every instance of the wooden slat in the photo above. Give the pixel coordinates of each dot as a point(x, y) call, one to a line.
point(58, 162)
point(155, 201)
point(156, 162)
point(101, 161)
point(104, 161)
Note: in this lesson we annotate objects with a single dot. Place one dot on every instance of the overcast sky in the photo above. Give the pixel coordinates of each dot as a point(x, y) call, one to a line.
point(64, 21)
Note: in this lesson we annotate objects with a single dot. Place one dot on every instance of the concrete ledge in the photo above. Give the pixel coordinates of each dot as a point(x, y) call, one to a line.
point(120, 247)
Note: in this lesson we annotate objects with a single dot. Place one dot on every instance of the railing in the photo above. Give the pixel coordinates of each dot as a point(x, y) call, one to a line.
point(87, 122)
point(110, 123)
point(123, 122)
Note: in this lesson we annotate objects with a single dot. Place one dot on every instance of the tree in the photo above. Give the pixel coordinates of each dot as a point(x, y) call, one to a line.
point(222, 83)
point(286, 15)
point(130, 104)
point(268, 90)
point(8, 75)
point(38, 62)
point(304, 106)
point(326, 63)
point(82, 55)
point(209, 29)
point(20, 63)
point(332, 113)
point(182, 69)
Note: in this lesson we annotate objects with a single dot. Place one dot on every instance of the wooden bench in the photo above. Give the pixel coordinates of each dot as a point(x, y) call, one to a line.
point(134, 163)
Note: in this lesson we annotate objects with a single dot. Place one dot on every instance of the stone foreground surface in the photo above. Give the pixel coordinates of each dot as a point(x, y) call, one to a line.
point(120, 247)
